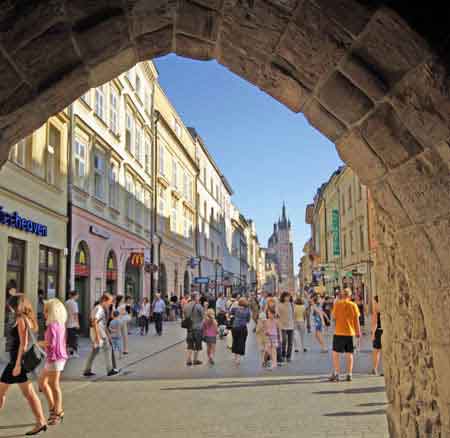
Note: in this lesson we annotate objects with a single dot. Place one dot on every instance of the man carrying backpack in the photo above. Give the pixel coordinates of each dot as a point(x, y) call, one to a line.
point(193, 319)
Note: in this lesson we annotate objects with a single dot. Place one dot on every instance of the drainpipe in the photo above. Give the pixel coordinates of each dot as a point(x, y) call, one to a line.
point(69, 197)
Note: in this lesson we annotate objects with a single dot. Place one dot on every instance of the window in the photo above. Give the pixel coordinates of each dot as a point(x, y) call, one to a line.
point(114, 186)
point(138, 143)
point(162, 206)
point(351, 243)
point(185, 223)
point(349, 197)
point(139, 203)
point(359, 192)
point(15, 274)
point(212, 250)
point(174, 216)
point(99, 174)
point(148, 209)
point(174, 173)
point(129, 124)
point(138, 86)
point(148, 154)
point(161, 159)
point(205, 211)
point(129, 185)
point(206, 247)
point(217, 193)
point(129, 76)
point(80, 160)
point(211, 187)
point(113, 110)
point(19, 153)
point(204, 175)
point(147, 101)
point(191, 189)
point(48, 271)
point(361, 237)
point(52, 155)
point(185, 185)
point(100, 102)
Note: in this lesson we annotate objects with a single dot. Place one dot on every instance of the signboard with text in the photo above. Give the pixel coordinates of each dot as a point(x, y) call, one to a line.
point(335, 230)
point(201, 280)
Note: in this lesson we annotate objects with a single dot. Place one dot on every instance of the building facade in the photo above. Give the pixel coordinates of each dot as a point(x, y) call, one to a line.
point(280, 248)
point(33, 214)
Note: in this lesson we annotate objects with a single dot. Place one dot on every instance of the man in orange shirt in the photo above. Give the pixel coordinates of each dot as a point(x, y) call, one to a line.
point(346, 315)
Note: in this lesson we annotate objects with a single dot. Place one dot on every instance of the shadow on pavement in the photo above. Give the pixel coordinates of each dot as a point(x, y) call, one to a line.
point(353, 413)
point(16, 426)
point(369, 405)
point(370, 390)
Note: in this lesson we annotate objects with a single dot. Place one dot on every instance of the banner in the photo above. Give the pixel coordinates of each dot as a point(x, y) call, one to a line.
point(336, 234)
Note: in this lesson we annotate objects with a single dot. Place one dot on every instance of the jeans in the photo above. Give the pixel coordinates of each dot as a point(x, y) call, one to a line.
point(158, 322)
point(287, 337)
point(300, 329)
point(106, 348)
point(72, 339)
point(143, 323)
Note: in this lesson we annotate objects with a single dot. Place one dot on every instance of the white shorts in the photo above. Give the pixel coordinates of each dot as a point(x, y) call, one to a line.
point(57, 365)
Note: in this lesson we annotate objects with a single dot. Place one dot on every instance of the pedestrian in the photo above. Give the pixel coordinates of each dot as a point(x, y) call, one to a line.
point(55, 314)
point(115, 330)
point(158, 310)
point(173, 307)
point(193, 314)
point(327, 306)
point(299, 323)
point(261, 337)
point(210, 330)
point(100, 336)
point(360, 303)
point(221, 313)
point(286, 322)
point(125, 317)
point(272, 333)
point(144, 316)
point(377, 332)
point(132, 309)
point(40, 314)
point(307, 301)
point(17, 342)
point(319, 318)
point(73, 323)
point(241, 316)
point(254, 309)
point(346, 315)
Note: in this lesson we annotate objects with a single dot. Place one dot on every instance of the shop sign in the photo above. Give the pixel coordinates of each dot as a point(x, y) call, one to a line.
point(81, 270)
point(201, 280)
point(96, 231)
point(111, 275)
point(137, 259)
point(335, 230)
point(13, 220)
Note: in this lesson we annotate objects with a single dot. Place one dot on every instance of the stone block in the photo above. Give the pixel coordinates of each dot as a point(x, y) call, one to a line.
point(389, 138)
point(9, 80)
point(193, 48)
point(253, 25)
point(313, 44)
point(390, 46)
point(421, 100)
point(211, 4)
point(154, 44)
point(362, 75)
point(20, 97)
point(103, 39)
point(22, 22)
point(355, 151)
point(438, 232)
point(389, 203)
point(197, 21)
point(422, 185)
point(323, 121)
point(46, 58)
point(282, 87)
point(83, 13)
point(347, 102)
point(146, 17)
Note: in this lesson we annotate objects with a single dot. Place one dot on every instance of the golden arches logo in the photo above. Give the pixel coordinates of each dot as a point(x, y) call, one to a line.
point(137, 259)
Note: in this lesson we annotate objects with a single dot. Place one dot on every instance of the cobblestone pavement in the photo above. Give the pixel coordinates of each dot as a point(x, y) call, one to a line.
point(157, 395)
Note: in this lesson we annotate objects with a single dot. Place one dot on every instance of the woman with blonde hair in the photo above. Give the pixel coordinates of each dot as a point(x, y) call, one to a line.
point(55, 314)
point(17, 343)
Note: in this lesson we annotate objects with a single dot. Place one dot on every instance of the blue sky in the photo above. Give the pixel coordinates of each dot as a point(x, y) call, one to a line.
point(267, 152)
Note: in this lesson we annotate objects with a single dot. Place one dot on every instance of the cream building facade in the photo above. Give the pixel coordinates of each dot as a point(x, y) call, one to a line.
point(33, 214)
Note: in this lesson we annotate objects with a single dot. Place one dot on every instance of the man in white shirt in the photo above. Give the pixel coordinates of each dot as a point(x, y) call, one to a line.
point(73, 323)
point(158, 309)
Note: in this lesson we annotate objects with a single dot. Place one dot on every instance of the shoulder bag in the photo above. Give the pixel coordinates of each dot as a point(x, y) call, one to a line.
point(35, 355)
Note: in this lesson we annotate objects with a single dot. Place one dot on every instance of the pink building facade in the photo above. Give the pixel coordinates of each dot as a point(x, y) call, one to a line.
point(105, 257)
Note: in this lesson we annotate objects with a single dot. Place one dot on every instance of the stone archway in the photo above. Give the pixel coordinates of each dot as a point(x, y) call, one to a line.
point(371, 79)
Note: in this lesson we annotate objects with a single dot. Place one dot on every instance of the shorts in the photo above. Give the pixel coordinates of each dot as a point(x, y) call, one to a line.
point(194, 339)
point(377, 341)
point(343, 344)
point(57, 365)
point(318, 324)
point(210, 339)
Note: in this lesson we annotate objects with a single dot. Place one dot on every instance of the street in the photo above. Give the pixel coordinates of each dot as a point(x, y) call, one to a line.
point(157, 394)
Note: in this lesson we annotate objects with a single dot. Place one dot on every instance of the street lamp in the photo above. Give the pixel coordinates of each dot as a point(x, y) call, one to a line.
point(216, 265)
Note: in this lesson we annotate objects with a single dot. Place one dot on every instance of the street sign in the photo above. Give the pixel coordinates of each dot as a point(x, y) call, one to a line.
point(201, 280)
point(193, 262)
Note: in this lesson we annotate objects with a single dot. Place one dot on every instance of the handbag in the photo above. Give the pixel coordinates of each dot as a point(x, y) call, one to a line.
point(35, 355)
point(186, 322)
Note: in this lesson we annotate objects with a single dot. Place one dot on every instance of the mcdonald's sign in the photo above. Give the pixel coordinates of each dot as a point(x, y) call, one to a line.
point(137, 259)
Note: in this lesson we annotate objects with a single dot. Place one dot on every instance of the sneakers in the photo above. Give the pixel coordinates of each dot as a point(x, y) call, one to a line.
point(197, 362)
point(88, 374)
point(334, 378)
point(113, 373)
point(211, 361)
point(296, 350)
point(349, 378)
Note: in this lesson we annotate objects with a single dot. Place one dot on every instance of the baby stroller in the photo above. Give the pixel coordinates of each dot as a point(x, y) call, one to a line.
point(222, 323)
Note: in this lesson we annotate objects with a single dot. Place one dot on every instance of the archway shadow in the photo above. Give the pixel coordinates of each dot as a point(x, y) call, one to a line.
point(370, 390)
point(353, 413)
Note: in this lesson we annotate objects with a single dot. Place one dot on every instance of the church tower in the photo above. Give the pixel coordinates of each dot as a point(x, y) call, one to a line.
point(281, 250)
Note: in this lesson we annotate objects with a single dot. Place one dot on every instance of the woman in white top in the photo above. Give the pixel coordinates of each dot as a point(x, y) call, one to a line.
point(124, 318)
point(144, 316)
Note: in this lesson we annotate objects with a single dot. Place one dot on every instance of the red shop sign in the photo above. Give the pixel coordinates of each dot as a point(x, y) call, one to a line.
point(81, 270)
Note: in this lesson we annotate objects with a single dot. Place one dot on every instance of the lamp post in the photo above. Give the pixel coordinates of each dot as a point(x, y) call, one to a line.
point(216, 265)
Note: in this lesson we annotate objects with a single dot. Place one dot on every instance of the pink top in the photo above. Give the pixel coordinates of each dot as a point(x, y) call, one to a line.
point(55, 337)
point(209, 329)
point(271, 327)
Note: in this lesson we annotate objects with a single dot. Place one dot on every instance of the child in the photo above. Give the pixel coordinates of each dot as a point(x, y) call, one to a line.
point(210, 331)
point(271, 329)
point(222, 322)
point(261, 337)
point(115, 330)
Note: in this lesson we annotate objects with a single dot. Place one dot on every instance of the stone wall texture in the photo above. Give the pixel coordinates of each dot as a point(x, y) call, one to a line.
point(370, 75)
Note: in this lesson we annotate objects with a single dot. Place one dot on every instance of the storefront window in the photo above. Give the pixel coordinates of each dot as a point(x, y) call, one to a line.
point(48, 271)
point(16, 264)
point(111, 273)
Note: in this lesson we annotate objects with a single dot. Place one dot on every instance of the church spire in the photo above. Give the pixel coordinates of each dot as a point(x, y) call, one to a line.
point(283, 216)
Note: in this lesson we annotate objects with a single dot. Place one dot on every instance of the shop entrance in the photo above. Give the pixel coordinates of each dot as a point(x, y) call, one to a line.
point(82, 285)
point(15, 277)
point(111, 273)
point(133, 280)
